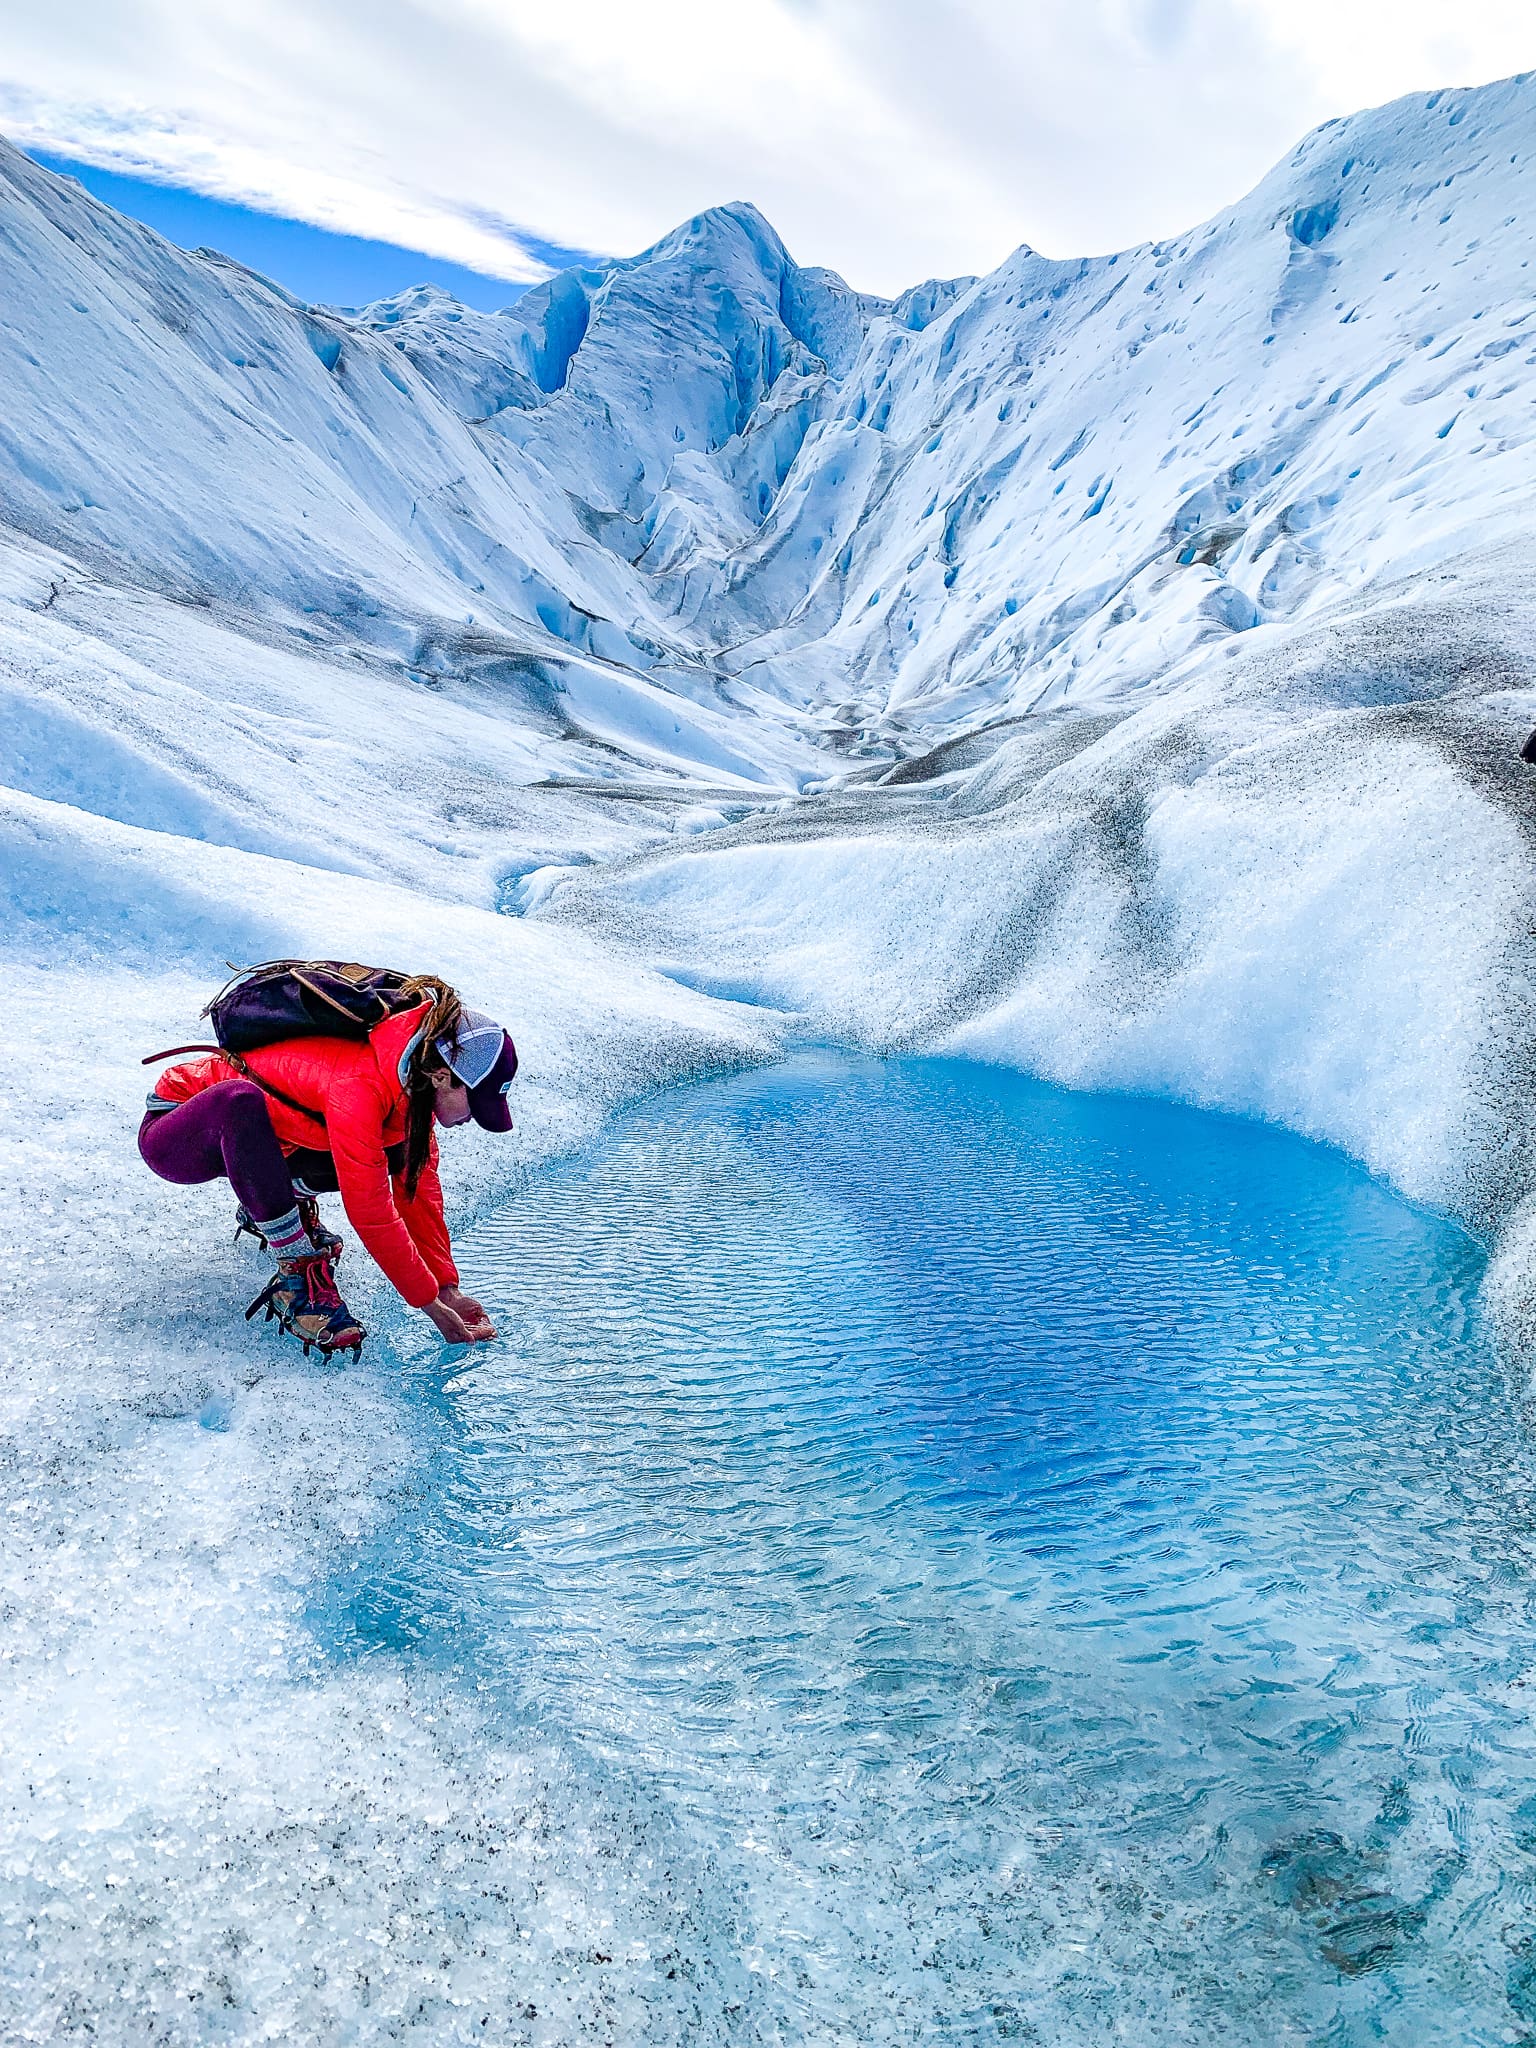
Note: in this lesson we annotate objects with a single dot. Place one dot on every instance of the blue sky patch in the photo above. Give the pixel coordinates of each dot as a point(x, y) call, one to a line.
point(313, 263)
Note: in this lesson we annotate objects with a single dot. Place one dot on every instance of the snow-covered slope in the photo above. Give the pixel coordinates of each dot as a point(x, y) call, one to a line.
point(178, 424)
point(1297, 882)
point(1112, 667)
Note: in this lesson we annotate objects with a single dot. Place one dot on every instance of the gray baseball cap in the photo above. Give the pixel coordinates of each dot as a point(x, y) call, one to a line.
point(484, 1058)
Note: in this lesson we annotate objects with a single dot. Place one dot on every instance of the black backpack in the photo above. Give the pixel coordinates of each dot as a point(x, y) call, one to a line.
point(302, 999)
point(307, 999)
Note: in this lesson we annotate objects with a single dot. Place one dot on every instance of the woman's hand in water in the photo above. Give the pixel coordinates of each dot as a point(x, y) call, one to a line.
point(468, 1311)
point(459, 1317)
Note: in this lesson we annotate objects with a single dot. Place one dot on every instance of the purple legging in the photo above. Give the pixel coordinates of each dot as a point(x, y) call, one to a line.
point(224, 1130)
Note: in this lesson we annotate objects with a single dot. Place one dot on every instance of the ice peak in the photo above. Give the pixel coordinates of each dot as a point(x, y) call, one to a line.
point(718, 235)
point(417, 301)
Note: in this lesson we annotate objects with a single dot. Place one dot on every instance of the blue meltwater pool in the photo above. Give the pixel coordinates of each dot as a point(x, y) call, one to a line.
point(1031, 1567)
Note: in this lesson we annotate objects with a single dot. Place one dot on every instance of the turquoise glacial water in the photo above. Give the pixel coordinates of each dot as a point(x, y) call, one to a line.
point(1030, 1567)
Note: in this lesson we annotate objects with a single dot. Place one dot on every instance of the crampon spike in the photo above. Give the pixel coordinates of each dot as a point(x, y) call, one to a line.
point(264, 1299)
point(301, 1298)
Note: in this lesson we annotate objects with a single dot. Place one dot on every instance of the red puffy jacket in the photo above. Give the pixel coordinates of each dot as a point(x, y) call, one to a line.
point(359, 1100)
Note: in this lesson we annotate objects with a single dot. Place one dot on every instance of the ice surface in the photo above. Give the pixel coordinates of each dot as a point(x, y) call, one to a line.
point(185, 1790)
point(1155, 633)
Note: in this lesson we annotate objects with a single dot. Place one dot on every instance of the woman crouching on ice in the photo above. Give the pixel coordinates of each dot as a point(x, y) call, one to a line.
point(310, 1116)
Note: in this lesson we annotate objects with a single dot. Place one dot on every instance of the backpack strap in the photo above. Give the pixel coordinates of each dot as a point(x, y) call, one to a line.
point(237, 1062)
point(322, 995)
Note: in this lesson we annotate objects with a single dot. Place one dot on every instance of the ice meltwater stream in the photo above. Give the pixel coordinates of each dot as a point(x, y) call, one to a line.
point(1034, 1566)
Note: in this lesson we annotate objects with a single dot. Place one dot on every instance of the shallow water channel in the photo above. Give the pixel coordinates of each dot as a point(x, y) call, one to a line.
point(1038, 1567)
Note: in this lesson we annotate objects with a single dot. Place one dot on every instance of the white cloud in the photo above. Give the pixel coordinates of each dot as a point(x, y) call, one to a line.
point(890, 138)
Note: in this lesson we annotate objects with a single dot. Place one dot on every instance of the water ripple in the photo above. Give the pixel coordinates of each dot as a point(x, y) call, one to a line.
point(1064, 1562)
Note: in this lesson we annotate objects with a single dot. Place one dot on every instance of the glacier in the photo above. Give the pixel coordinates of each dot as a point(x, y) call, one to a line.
point(1113, 668)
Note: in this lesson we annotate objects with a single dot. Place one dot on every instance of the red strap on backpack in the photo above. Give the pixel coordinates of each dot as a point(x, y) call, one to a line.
point(173, 1051)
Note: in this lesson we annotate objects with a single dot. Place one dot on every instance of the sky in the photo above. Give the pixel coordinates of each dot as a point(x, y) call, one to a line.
point(891, 139)
point(315, 264)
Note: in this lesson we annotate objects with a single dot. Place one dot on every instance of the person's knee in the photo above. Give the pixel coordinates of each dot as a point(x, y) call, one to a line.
point(243, 1109)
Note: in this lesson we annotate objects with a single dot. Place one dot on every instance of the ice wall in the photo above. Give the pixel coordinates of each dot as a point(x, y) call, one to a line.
point(1064, 476)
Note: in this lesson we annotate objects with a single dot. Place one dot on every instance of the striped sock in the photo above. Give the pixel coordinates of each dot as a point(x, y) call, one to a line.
point(286, 1236)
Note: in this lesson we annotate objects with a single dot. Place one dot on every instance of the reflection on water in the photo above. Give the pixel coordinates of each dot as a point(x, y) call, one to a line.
point(1062, 1564)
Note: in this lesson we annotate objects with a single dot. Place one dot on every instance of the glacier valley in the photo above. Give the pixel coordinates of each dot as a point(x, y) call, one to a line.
point(1110, 670)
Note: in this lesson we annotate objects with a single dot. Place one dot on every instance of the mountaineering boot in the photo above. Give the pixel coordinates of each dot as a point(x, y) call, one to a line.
point(301, 1296)
point(324, 1241)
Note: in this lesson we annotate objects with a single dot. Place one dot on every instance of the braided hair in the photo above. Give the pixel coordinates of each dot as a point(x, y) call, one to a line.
point(441, 1021)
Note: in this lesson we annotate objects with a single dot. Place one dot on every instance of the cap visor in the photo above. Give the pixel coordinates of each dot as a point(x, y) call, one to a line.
point(493, 1113)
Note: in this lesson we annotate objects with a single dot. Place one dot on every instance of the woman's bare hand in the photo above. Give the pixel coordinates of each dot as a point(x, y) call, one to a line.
point(460, 1317)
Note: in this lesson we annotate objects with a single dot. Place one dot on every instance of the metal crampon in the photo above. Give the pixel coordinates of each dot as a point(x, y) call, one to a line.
point(301, 1297)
